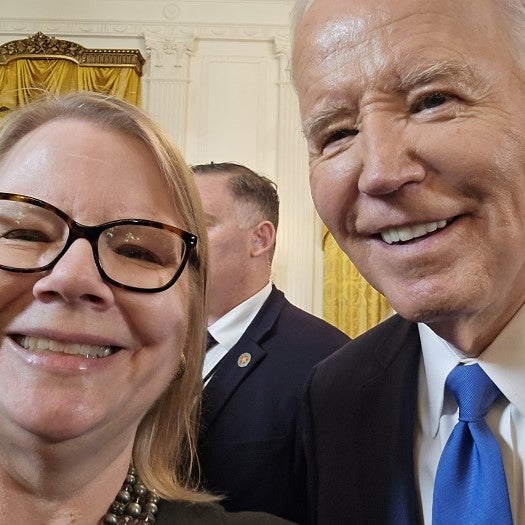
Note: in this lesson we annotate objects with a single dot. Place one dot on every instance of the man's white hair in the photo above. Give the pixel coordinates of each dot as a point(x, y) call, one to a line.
point(514, 13)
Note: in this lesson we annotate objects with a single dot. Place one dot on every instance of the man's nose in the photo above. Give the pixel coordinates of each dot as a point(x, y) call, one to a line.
point(389, 156)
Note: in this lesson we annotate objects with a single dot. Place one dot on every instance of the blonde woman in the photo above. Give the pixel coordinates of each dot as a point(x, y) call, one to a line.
point(102, 295)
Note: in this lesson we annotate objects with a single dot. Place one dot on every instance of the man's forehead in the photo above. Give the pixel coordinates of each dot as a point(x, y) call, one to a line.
point(332, 30)
point(349, 18)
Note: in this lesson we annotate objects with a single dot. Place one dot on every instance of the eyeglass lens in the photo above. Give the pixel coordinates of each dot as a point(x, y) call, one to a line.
point(32, 237)
point(140, 256)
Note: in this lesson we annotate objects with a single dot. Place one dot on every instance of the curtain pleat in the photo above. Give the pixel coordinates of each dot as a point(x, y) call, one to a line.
point(24, 79)
point(122, 82)
point(349, 301)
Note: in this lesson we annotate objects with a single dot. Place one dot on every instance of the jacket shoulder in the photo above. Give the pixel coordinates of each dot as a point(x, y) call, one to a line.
point(310, 323)
point(180, 513)
point(378, 346)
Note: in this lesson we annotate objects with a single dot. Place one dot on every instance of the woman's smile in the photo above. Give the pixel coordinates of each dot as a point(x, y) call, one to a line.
point(40, 344)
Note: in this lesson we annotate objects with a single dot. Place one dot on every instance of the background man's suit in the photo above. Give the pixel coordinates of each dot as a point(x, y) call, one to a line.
point(360, 409)
point(247, 443)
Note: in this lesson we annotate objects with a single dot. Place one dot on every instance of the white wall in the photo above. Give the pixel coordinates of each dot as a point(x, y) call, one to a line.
point(217, 79)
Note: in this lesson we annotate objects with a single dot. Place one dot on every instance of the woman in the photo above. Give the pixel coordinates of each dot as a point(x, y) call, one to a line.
point(102, 293)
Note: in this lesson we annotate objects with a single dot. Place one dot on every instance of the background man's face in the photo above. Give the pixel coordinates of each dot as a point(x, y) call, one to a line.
point(414, 112)
point(230, 238)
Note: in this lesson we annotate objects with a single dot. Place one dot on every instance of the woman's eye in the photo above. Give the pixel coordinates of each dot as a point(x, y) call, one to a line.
point(26, 235)
point(140, 253)
point(430, 101)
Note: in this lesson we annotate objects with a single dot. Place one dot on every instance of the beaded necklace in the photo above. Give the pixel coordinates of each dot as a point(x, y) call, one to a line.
point(134, 504)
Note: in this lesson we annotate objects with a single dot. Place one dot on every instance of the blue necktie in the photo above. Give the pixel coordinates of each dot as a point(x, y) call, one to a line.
point(470, 486)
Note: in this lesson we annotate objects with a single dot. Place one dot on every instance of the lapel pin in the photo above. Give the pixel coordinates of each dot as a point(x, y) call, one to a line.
point(244, 359)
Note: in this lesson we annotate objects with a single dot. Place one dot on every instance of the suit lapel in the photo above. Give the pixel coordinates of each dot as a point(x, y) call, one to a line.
point(236, 365)
point(242, 359)
point(387, 432)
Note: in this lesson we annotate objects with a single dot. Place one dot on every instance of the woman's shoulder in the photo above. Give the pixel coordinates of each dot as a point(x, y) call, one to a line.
point(180, 513)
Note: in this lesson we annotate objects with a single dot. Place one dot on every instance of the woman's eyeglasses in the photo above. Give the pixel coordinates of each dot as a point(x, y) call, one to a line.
point(135, 254)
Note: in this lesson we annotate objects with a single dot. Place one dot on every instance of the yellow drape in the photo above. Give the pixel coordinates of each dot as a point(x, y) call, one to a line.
point(349, 301)
point(123, 82)
point(24, 79)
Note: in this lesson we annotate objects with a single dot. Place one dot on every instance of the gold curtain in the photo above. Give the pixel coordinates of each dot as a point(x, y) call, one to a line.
point(122, 82)
point(24, 79)
point(349, 301)
point(40, 64)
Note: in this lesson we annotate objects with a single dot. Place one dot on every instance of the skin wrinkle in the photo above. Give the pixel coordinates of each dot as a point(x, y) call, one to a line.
point(315, 124)
point(419, 77)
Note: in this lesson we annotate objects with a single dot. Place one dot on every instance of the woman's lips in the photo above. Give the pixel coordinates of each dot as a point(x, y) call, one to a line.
point(41, 344)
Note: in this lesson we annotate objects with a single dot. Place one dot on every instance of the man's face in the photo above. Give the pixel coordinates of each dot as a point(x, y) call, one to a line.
point(414, 113)
point(230, 238)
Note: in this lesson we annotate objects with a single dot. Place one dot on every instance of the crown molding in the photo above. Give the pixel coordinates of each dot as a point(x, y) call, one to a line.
point(109, 28)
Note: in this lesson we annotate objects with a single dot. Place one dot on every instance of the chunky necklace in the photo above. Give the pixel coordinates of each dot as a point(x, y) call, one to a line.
point(134, 504)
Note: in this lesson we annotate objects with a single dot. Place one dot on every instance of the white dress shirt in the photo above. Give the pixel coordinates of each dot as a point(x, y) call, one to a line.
point(504, 362)
point(228, 329)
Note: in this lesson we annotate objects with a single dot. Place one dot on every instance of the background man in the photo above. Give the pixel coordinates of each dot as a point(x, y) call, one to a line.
point(265, 348)
point(414, 113)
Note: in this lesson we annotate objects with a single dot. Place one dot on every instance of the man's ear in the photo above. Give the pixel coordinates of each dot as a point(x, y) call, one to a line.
point(263, 238)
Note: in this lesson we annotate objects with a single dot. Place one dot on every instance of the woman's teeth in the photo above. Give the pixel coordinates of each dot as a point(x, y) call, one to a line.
point(407, 233)
point(38, 343)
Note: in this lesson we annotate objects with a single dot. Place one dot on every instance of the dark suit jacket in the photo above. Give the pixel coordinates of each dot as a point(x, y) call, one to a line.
point(249, 416)
point(178, 513)
point(359, 415)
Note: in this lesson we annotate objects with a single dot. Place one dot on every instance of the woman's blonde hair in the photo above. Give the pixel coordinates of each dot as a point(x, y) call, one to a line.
point(164, 450)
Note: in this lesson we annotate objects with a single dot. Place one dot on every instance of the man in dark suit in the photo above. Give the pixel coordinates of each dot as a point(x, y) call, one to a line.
point(414, 115)
point(263, 349)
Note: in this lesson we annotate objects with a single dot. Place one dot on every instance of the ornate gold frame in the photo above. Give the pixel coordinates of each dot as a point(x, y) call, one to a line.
point(43, 46)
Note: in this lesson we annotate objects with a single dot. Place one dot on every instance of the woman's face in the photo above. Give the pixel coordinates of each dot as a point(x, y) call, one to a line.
point(94, 175)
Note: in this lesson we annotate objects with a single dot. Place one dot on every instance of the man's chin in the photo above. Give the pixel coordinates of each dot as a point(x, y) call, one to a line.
point(424, 313)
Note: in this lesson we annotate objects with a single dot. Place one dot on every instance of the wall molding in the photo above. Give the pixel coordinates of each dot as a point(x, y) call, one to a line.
point(175, 29)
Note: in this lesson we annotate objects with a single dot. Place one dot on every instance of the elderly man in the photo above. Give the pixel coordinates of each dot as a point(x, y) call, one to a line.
point(263, 349)
point(414, 114)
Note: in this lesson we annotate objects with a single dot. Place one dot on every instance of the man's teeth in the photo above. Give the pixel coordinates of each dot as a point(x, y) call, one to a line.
point(407, 233)
point(38, 343)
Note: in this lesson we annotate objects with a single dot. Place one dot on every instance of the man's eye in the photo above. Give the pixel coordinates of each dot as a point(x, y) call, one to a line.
point(338, 135)
point(431, 101)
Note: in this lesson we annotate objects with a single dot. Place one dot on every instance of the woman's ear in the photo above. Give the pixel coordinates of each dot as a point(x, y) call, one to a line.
point(263, 238)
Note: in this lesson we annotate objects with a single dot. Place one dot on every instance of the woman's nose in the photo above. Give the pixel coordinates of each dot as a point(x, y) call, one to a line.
point(75, 278)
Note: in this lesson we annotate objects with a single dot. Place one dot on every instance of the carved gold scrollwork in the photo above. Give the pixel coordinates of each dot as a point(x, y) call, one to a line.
point(41, 46)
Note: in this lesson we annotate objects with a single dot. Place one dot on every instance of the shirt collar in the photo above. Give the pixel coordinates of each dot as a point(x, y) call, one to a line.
point(228, 329)
point(439, 358)
point(503, 361)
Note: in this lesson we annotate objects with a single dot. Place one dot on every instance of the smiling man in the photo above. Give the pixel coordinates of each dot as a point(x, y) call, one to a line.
point(414, 114)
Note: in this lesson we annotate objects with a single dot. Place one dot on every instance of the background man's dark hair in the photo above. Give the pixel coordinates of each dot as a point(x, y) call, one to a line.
point(256, 194)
